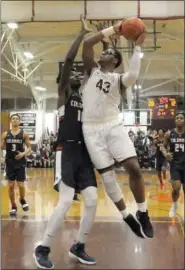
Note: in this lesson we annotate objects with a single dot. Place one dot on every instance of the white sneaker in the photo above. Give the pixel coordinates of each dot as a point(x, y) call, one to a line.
point(172, 212)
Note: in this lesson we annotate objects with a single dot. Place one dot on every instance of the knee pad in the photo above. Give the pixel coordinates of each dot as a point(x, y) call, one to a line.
point(111, 186)
point(90, 196)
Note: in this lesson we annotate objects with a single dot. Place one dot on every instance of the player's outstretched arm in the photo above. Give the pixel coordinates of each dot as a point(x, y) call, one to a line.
point(64, 77)
point(164, 148)
point(91, 41)
point(130, 77)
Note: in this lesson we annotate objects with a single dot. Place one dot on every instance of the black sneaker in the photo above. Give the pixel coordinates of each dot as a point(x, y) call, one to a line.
point(24, 204)
point(75, 198)
point(13, 211)
point(145, 224)
point(40, 256)
point(77, 251)
point(134, 225)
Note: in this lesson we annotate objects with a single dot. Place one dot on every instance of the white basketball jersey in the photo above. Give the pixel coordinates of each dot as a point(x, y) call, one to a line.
point(101, 97)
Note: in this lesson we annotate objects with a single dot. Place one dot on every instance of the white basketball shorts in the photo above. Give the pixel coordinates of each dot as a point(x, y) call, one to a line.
point(107, 142)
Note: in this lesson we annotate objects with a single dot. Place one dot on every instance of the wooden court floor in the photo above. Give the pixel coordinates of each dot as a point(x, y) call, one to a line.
point(111, 242)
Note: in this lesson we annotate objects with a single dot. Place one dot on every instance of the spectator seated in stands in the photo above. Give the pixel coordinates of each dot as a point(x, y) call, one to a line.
point(3, 156)
point(131, 135)
point(2, 163)
point(38, 160)
point(46, 159)
point(52, 158)
point(30, 159)
point(43, 151)
point(143, 146)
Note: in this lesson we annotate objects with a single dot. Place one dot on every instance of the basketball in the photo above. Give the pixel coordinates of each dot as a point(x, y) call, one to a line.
point(132, 28)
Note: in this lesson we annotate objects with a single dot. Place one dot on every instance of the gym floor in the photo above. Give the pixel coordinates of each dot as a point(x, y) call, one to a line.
point(111, 241)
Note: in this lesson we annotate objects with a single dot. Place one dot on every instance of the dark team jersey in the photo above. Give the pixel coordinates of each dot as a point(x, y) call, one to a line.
point(70, 122)
point(177, 145)
point(14, 144)
point(159, 144)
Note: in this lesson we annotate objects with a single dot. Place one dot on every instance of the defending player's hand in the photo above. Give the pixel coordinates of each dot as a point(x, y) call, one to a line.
point(19, 156)
point(169, 156)
point(84, 28)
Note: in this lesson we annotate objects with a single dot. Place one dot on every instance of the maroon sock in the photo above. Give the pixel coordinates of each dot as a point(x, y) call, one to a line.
point(164, 175)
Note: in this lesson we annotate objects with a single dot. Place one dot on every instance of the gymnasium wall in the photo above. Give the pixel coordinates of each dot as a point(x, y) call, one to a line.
point(12, 10)
point(43, 121)
point(5, 121)
point(163, 123)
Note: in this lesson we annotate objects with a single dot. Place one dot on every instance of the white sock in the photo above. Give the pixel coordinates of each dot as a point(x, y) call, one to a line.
point(142, 206)
point(175, 204)
point(124, 213)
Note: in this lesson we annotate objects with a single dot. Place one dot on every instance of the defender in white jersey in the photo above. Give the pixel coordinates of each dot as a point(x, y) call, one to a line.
point(105, 137)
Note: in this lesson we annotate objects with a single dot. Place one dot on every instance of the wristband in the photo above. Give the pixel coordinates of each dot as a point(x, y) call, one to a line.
point(108, 32)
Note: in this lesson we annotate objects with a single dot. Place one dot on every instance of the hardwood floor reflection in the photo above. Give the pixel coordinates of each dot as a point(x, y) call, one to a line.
point(111, 242)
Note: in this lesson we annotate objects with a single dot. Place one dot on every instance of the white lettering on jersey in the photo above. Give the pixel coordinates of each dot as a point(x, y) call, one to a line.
point(61, 110)
point(101, 97)
point(177, 140)
point(76, 104)
point(14, 141)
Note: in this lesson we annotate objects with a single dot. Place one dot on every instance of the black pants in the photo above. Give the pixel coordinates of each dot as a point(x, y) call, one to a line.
point(15, 170)
point(74, 167)
point(177, 172)
point(160, 162)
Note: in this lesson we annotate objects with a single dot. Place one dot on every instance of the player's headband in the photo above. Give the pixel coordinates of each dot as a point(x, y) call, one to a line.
point(180, 112)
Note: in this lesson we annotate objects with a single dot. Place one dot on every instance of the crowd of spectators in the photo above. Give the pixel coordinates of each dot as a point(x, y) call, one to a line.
point(143, 143)
point(44, 154)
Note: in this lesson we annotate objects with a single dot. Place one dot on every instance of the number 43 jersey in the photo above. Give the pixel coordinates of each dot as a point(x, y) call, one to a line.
point(177, 145)
point(101, 97)
point(70, 120)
